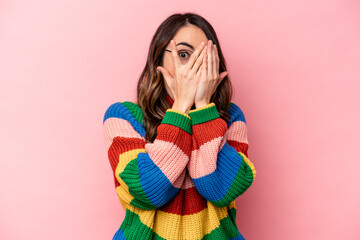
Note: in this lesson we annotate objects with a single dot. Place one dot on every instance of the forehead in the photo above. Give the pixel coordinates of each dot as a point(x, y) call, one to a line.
point(190, 34)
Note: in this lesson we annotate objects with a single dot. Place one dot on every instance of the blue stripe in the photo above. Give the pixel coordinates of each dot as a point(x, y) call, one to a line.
point(154, 182)
point(236, 114)
point(119, 235)
point(227, 166)
point(118, 110)
point(239, 237)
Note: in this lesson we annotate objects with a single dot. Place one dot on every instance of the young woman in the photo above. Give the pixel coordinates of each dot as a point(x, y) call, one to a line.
point(179, 154)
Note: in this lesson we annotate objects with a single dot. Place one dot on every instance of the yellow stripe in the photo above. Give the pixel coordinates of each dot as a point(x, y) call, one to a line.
point(232, 205)
point(124, 159)
point(251, 165)
point(171, 225)
point(203, 107)
point(175, 226)
point(178, 111)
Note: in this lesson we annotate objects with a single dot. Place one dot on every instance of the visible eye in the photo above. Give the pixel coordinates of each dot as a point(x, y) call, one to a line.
point(184, 54)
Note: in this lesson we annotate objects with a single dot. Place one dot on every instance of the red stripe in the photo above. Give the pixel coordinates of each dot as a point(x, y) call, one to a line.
point(168, 133)
point(207, 131)
point(169, 99)
point(119, 146)
point(186, 202)
point(116, 183)
point(239, 146)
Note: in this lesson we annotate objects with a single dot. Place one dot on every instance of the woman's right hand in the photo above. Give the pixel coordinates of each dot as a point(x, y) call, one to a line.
point(184, 84)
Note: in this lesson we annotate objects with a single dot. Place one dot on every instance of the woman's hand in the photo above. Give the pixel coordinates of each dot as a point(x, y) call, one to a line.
point(210, 77)
point(183, 84)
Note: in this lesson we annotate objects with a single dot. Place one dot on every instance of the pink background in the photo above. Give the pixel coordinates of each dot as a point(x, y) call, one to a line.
point(295, 66)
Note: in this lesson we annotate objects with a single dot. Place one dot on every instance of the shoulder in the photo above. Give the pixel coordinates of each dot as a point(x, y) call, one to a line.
point(127, 110)
point(236, 113)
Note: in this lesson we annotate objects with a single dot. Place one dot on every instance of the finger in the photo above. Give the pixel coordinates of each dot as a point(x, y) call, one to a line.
point(209, 60)
point(199, 73)
point(174, 55)
point(194, 56)
point(222, 76)
point(217, 59)
point(204, 68)
point(214, 62)
point(165, 73)
point(199, 61)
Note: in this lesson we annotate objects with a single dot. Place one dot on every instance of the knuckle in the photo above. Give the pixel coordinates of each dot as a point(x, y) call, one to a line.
point(193, 56)
point(198, 52)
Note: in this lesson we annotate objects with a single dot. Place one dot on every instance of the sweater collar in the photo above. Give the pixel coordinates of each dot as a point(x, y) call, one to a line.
point(170, 100)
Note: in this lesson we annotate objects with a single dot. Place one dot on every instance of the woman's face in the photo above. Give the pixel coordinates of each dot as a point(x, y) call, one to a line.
point(187, 39)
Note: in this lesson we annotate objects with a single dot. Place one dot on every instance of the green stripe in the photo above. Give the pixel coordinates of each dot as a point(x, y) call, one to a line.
point(130, 176)
point(133, 228)
point(227, 228)
point(204, 115)
point(242, 181)
point(134, 109)
point(178, 120)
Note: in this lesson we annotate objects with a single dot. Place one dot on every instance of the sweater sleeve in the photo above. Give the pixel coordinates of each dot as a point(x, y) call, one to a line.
point(219, 164)
point(146, 175)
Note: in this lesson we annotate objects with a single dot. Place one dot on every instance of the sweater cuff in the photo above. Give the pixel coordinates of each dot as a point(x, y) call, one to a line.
point(178, 119)
point(204, 114)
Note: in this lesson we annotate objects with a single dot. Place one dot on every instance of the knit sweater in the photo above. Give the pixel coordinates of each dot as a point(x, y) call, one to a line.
point(184, 184)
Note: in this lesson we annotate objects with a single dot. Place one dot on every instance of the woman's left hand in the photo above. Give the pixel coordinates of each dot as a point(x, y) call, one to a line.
point(210, 77)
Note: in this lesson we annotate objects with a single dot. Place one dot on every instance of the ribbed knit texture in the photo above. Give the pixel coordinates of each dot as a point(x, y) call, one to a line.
point(184, 184)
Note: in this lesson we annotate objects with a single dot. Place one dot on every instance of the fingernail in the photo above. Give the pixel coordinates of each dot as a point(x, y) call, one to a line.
point(202, 43)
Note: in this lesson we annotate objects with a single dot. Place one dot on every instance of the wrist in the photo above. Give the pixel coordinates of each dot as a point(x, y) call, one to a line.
point(204, 114)
point(201, 104)
point(180, 107)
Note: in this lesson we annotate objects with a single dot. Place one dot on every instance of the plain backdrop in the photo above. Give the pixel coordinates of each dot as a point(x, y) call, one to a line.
point(295, 67)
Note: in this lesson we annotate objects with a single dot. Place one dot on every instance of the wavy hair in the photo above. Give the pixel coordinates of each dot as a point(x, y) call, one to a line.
point(151, 92)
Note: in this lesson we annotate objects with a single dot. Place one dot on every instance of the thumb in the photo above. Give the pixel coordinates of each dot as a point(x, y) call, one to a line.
point(222, 76)
point(164, 72)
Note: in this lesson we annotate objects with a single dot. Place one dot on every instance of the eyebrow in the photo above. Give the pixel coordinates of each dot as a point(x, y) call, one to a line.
point(186, 44)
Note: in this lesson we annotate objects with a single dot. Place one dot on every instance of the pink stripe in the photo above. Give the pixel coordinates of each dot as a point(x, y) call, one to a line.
point(114, 127)
point(188, 183)
point(169, 158)
point(203, 160)
point(237, 132)
point(180, 180)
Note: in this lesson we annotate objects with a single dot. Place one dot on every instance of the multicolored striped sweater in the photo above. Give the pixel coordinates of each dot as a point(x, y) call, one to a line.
point(184, 184)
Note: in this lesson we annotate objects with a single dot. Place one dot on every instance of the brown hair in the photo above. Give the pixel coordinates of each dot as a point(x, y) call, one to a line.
point(151, 92)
